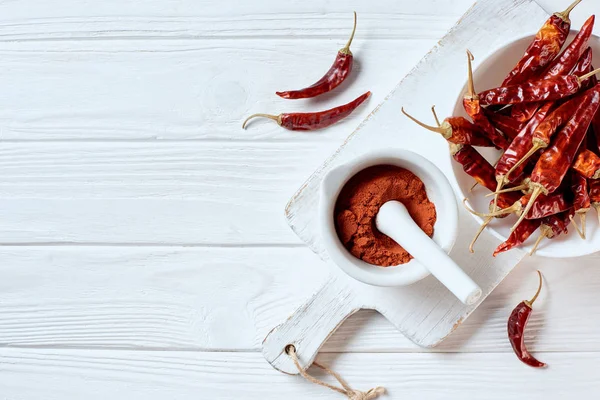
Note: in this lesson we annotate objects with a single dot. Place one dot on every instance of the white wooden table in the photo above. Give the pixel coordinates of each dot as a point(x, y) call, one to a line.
point(143, 249)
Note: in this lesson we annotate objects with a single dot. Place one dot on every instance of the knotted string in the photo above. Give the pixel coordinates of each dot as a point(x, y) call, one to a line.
point(346, 390)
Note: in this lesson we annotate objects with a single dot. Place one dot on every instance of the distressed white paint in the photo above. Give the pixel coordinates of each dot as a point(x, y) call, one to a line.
point(425, 312)
point(91, 92)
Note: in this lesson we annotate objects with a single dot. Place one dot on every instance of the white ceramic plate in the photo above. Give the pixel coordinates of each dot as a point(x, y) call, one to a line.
point(489, 73)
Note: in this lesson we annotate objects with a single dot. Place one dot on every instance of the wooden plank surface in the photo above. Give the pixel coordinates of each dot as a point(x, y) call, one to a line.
point(192, 375)
point(160, 298)
point(111, 83)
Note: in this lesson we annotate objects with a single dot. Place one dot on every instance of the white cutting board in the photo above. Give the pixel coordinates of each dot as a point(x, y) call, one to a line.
point(425, 312)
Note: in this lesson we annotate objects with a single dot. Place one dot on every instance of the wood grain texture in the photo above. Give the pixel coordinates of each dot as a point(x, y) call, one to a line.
point(174, 193)
point(61, 374)
point(228, 299)
point(188, 71)
point(425, 312)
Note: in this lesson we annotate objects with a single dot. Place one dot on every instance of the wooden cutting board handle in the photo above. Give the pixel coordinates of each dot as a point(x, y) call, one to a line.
point(310, 326)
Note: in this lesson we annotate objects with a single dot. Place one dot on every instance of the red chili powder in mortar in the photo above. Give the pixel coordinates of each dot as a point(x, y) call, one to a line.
point(358, 205)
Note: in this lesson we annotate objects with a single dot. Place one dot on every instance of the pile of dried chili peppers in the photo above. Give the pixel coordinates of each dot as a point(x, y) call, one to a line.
point(544, 119)
point(339, 71)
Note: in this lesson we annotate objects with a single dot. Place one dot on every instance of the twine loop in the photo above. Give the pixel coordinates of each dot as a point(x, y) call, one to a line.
point(346, 390)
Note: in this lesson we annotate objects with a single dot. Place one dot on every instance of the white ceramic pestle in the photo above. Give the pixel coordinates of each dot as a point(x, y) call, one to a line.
point(394, 221)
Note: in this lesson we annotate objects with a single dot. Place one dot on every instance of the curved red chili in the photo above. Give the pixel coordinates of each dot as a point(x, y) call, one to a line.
point(313, 120)
point(456, 130)
point(474, 164)
point(339, 71)
point(545, 47)
point(553, 88)
point(516, 328)
point(554, 163)
point(473, 108)
point(519, 235)
point(562, 65)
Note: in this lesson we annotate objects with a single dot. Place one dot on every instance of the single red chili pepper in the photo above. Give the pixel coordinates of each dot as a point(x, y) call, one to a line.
point(545, 47)
point(505, 124)
point(339, 71)
point(554, 163)
point(456, 130)
point(506, 171)
point(516, 328)
point(519, 235)
point(475, 111)
point(595, 196)
point(561, 66)
point(587, 164)
point(545, 205)
point(540, 139)
point(474, 164)
point(581, 201)
point(554, 88)
point(553, 226)
point(313, 120)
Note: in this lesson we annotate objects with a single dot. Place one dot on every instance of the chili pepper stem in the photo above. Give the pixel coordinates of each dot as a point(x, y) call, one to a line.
point(276, 118)
point(501, 183)
point(445, 132)
point(564, 15)
point(537, 293)
point(589, 74)
point(346, 48)
point(508, 210)
point(485, 223)
point(512, 189)
point(545, 231)
point(471, 94)
point(437, 120)
point(580, 232)
point(536, 146)
point(537, 191)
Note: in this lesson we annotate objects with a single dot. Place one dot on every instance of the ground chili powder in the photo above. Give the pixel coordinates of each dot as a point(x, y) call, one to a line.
point(360, 200)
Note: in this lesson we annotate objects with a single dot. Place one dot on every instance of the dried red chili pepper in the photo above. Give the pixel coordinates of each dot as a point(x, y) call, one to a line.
point(553, 226)
point(313, 120)
point(516, 328)
point(505, 169)
point(456, 130)
point(339, 71)
point(561, 66)
point(581, 201)
point(475, 111)
point(587, 164)
point(545, 46)
point(505, 124)
point(474, 164)
point(554, 88)
point(545, 205)
point(554, 163)
point(519, 235)
point(540, 139)
point(595, 196)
